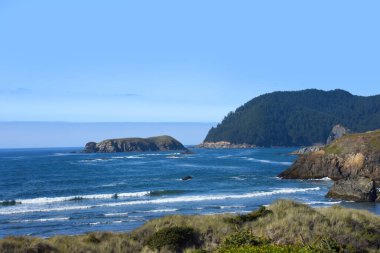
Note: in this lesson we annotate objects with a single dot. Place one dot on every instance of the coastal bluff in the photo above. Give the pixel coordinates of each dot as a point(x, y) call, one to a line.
point(352, 161)
point(158, 143)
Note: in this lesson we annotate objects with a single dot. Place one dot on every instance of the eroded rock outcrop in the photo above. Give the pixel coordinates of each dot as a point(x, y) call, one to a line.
point(159, 143)
point(352, 156)
point(337, 132)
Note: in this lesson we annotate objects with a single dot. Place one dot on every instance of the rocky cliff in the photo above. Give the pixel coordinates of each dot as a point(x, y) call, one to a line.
point(350, 157)
point(159, 143)
point(337, 132)
point(223, 144)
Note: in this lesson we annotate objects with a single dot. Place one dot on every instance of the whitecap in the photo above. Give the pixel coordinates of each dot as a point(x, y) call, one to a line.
point(196, 198)
point(115, 214)
point(322, 179)
point(47, 200)
point(269, 161)
point(238, 178)
point(47, 219)
point(54, 209)
point(231, 207)
point(94, 223)
point(160, 210)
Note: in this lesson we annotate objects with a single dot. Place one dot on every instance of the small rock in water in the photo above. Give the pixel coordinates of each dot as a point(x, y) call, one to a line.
point(8, 203)
point(186, 178)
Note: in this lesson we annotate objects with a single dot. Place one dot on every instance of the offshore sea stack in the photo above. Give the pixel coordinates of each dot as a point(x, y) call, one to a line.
point(352, 161)
point(158, 143)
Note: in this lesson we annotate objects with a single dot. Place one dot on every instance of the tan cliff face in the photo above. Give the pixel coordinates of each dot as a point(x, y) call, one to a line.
point(348, 161)
point(351, 155)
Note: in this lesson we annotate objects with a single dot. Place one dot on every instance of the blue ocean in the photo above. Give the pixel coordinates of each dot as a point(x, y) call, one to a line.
point(60, 191)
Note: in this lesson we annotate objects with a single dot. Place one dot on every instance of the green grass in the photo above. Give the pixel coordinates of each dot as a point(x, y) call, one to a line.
point(284, 226)
point(354, 143)
point(266, 249)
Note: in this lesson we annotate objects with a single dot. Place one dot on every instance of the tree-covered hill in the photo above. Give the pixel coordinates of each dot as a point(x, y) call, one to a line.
point(296, 118)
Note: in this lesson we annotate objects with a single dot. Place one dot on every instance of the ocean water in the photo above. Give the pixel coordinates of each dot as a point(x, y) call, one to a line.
point(59, 192)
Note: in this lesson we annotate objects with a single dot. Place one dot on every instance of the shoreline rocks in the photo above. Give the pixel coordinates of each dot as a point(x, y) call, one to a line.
point(224, 145)
point(306, 150)
point(159, 143)
point(361, 189)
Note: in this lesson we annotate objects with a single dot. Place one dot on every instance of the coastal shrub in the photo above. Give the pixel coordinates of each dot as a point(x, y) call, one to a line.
point(252, 216)
point(329, 245)
point(173, 238)
point(41, 247)
point(268, 249)
point(211, 228)
point(294, 223)
point(243, 238)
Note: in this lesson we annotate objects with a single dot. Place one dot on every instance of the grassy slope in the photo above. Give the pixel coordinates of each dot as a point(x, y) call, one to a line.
point(286, 223)
point(354, 143)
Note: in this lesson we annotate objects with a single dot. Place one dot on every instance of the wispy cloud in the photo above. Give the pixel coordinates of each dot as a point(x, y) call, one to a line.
point(15, 91)
point(131, 95)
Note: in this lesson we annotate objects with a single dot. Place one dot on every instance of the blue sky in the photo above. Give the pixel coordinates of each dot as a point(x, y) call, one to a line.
point(177, 61)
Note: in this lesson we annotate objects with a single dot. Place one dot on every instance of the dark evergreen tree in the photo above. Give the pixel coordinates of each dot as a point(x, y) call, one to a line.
point(297, 118)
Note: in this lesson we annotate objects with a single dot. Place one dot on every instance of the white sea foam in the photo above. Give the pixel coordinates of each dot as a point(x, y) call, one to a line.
point(61, 154)
point(196, 198)
point(47, 219)
point(94, 223)
point(269, 161)
point(239, 178)
point(213, 197)
point(160, 210)
point(224, 156)
point(322, 179)
point(113, 184)
point(231, 207)
point(115, 214)
point(52, 209)
point(46, 200)
point(134, 157)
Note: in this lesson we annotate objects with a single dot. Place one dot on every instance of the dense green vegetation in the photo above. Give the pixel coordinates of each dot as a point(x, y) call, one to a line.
point(297, 118)
point(284, 226)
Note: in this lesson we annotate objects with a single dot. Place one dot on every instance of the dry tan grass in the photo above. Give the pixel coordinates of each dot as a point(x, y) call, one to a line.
point(289, 223)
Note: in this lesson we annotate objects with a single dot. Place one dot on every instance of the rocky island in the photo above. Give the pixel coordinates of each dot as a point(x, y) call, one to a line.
point(352, 161)
point(158, 143)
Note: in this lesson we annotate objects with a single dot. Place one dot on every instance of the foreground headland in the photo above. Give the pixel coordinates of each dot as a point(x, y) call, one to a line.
point(284, 226)
point(352, 161)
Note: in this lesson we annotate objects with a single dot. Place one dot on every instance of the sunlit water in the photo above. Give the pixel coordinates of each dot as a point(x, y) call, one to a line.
point(59, 192)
